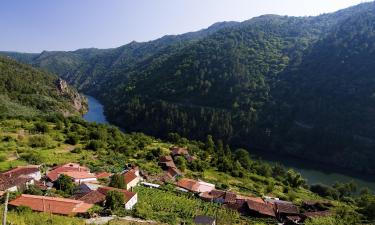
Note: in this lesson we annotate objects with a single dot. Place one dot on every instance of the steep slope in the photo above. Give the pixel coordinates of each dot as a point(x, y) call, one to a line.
point(293, 85)
point(25, 91)
point(330, 96)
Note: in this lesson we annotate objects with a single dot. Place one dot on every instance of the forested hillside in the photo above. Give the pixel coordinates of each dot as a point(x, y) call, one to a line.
point(25, 91)
point(294, 85)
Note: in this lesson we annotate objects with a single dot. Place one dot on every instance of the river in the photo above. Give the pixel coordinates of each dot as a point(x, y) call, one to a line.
point(95, 112)
point(314, 173)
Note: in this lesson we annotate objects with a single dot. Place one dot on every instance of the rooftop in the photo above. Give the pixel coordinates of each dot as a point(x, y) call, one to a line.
point(55, 205)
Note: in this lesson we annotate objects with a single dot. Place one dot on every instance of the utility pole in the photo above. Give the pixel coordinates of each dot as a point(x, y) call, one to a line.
point(6, 208)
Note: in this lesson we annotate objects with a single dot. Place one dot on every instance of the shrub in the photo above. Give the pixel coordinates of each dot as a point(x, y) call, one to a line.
point(39, 141)
point(77, 150)
point(41, 127)
point(114, 200)
point(32, 158)
point(117, 181)
point(65, 184)
point(95, 145)
point(33, 190)
point(72, 139)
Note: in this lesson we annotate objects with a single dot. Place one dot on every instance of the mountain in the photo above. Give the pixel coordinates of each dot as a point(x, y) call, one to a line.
point(301, 86)
point(26, 91)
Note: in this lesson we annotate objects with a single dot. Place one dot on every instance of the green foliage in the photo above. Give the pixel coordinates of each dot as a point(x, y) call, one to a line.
point(26, 91)
point(40, 141)
point(174, 208)
point(65, 184)
point(114, 200)
point(72, 139)
point(118, 181)
point(33, 190)
point(294, 179)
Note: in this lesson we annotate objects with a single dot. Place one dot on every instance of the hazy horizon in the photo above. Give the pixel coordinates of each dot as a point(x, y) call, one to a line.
point(68, 25)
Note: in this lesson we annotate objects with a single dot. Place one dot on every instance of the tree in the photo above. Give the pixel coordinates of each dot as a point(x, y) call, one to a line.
point(210, 144)
point(33, 190)
point(117, 181)
point(294, 179)
point(181, 163)
point(243, 156)
point(65, 184)
point(72, 139)
point(114, 200)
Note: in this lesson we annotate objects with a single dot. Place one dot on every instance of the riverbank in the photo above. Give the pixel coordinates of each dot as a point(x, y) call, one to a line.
point(312, 172)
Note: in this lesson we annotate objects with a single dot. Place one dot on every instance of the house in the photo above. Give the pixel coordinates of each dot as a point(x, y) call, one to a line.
point(218, 196)
point(103, 175)
point(79, 174)
point(131, 178)
point(19, 178)
point(13, 184)
point(166, 162)
point(62, 206)
point(178, 151)
point(85, 188)
point(98, 196)
point(259, 208)
point(195, 186)
point(205, 220)
point(30, 171)
point(285, 209)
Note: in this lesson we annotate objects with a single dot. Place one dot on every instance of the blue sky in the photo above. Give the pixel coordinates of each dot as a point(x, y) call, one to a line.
point(37, 25)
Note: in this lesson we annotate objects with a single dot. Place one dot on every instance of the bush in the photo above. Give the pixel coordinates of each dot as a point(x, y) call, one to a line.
point(39, 141)
point(72, 139)
point(32, 158)
point(95, 145)
point(41, 127)
point(114, 200)
point(33, 190)
point(3, 157)
point(65, 184)
point(117, 181)
point(77, 150)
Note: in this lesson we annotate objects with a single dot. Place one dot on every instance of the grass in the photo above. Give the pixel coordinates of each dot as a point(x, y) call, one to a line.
point(35, 218)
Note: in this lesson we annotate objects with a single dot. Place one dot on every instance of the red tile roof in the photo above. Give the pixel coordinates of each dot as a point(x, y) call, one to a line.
point(55, 205)
point(127, 194)
point(164, 159)
point(227, 197)
point(286, 208)
point(259, 206)
point(54, 174)
point(93, 197)
point(103, 175)
point(129, 176)
point(188, 184)
point(7, 182)
point(79, 174)
point(22, 170)
point(179, 151)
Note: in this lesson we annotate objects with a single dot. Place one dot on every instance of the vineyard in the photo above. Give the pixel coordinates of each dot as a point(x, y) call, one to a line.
point(173, 208)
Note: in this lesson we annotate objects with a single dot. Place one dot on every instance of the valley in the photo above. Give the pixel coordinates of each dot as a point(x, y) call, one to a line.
point(313, 173)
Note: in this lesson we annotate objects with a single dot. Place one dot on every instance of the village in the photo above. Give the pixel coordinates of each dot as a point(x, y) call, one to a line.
point(92, 189)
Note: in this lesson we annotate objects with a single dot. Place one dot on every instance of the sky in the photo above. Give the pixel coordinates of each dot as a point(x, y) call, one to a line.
point(37, 25)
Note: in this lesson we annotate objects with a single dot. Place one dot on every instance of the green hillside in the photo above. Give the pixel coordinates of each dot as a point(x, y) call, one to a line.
point(300, 86)
point(25, 91)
